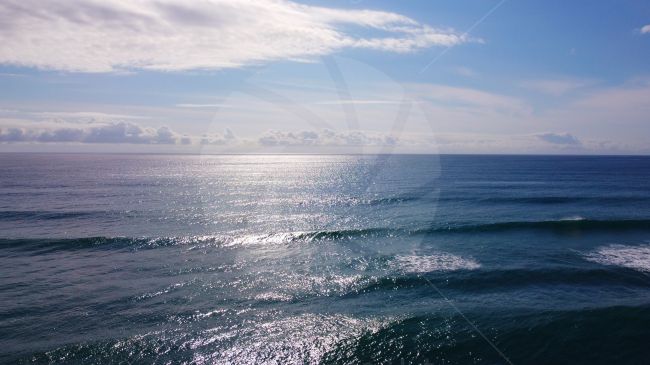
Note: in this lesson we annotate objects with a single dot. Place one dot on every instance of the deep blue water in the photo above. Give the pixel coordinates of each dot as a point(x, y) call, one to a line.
point(324, 259)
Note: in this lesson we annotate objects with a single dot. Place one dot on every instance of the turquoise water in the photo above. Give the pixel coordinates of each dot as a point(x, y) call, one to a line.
point(324, 259)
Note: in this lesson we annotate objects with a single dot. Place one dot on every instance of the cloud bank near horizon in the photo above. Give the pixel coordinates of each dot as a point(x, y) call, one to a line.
point(173, 35)
point(126, 132)
point(116, 133)
point(301, 141)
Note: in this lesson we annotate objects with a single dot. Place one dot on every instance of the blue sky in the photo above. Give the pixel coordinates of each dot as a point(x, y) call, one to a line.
point(226, 76)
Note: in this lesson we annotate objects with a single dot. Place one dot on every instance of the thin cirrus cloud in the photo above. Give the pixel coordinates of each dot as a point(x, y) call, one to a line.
point(467, 99)
point(202, 106)
point(645, 29)
point(557, 87)
point(172, 35)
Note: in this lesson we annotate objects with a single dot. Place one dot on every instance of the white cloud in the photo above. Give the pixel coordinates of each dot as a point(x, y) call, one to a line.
point(118, 35)
point(645, 29)
point(327, 137)
point(228, 137)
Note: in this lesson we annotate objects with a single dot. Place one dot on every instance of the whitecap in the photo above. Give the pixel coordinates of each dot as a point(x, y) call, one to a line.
point(574, 218)
point(633, 257)
point(273, 297)
point(437, 262)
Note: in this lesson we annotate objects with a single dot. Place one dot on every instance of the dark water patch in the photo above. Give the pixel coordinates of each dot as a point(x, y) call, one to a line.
point(565, 199)
point(392, 200)
point(11, 215)
point(140, 349)
point(548, 337)
point(48, 245)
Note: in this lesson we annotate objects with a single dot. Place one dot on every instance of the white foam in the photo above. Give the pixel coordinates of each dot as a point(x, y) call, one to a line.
point(273, 297)
point(437, 262)
point(633, 257)
point(574, 218)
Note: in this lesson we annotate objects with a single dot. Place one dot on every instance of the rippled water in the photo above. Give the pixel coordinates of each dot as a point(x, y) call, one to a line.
point(324, 259)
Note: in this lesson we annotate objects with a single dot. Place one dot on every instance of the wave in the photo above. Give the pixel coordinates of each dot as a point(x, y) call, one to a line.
point(522, 337)
point(297, 339)
point(393, 200)
point(481, 280)
point(632, 257)
point(572, 223)
point(45, 245)
point(38, 215)
point(567, 225)
point(221, 240)
point(561, 199)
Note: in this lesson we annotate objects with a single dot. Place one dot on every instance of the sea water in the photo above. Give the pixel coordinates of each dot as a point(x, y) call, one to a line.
point(324, 259)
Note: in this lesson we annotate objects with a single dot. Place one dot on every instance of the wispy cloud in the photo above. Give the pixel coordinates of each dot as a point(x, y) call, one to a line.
point(464, 71)
point(358, 102)
point(5, 74)
point(541, 143)
point(86, 116)
point(645, 29)
point(559, 138)
point(118, 35)
point(467, 99)
point(556, 87)
point(203, 106)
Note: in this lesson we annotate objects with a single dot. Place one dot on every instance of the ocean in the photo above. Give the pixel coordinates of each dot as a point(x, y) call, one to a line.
point(324, 259)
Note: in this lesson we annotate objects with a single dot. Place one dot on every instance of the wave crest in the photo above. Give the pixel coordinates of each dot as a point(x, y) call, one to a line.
point(632, 257)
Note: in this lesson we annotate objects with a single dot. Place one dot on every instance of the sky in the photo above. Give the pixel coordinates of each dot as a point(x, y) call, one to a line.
point(353, 76)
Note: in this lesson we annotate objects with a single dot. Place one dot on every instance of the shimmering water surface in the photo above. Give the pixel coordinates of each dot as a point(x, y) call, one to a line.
point(324, 259)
